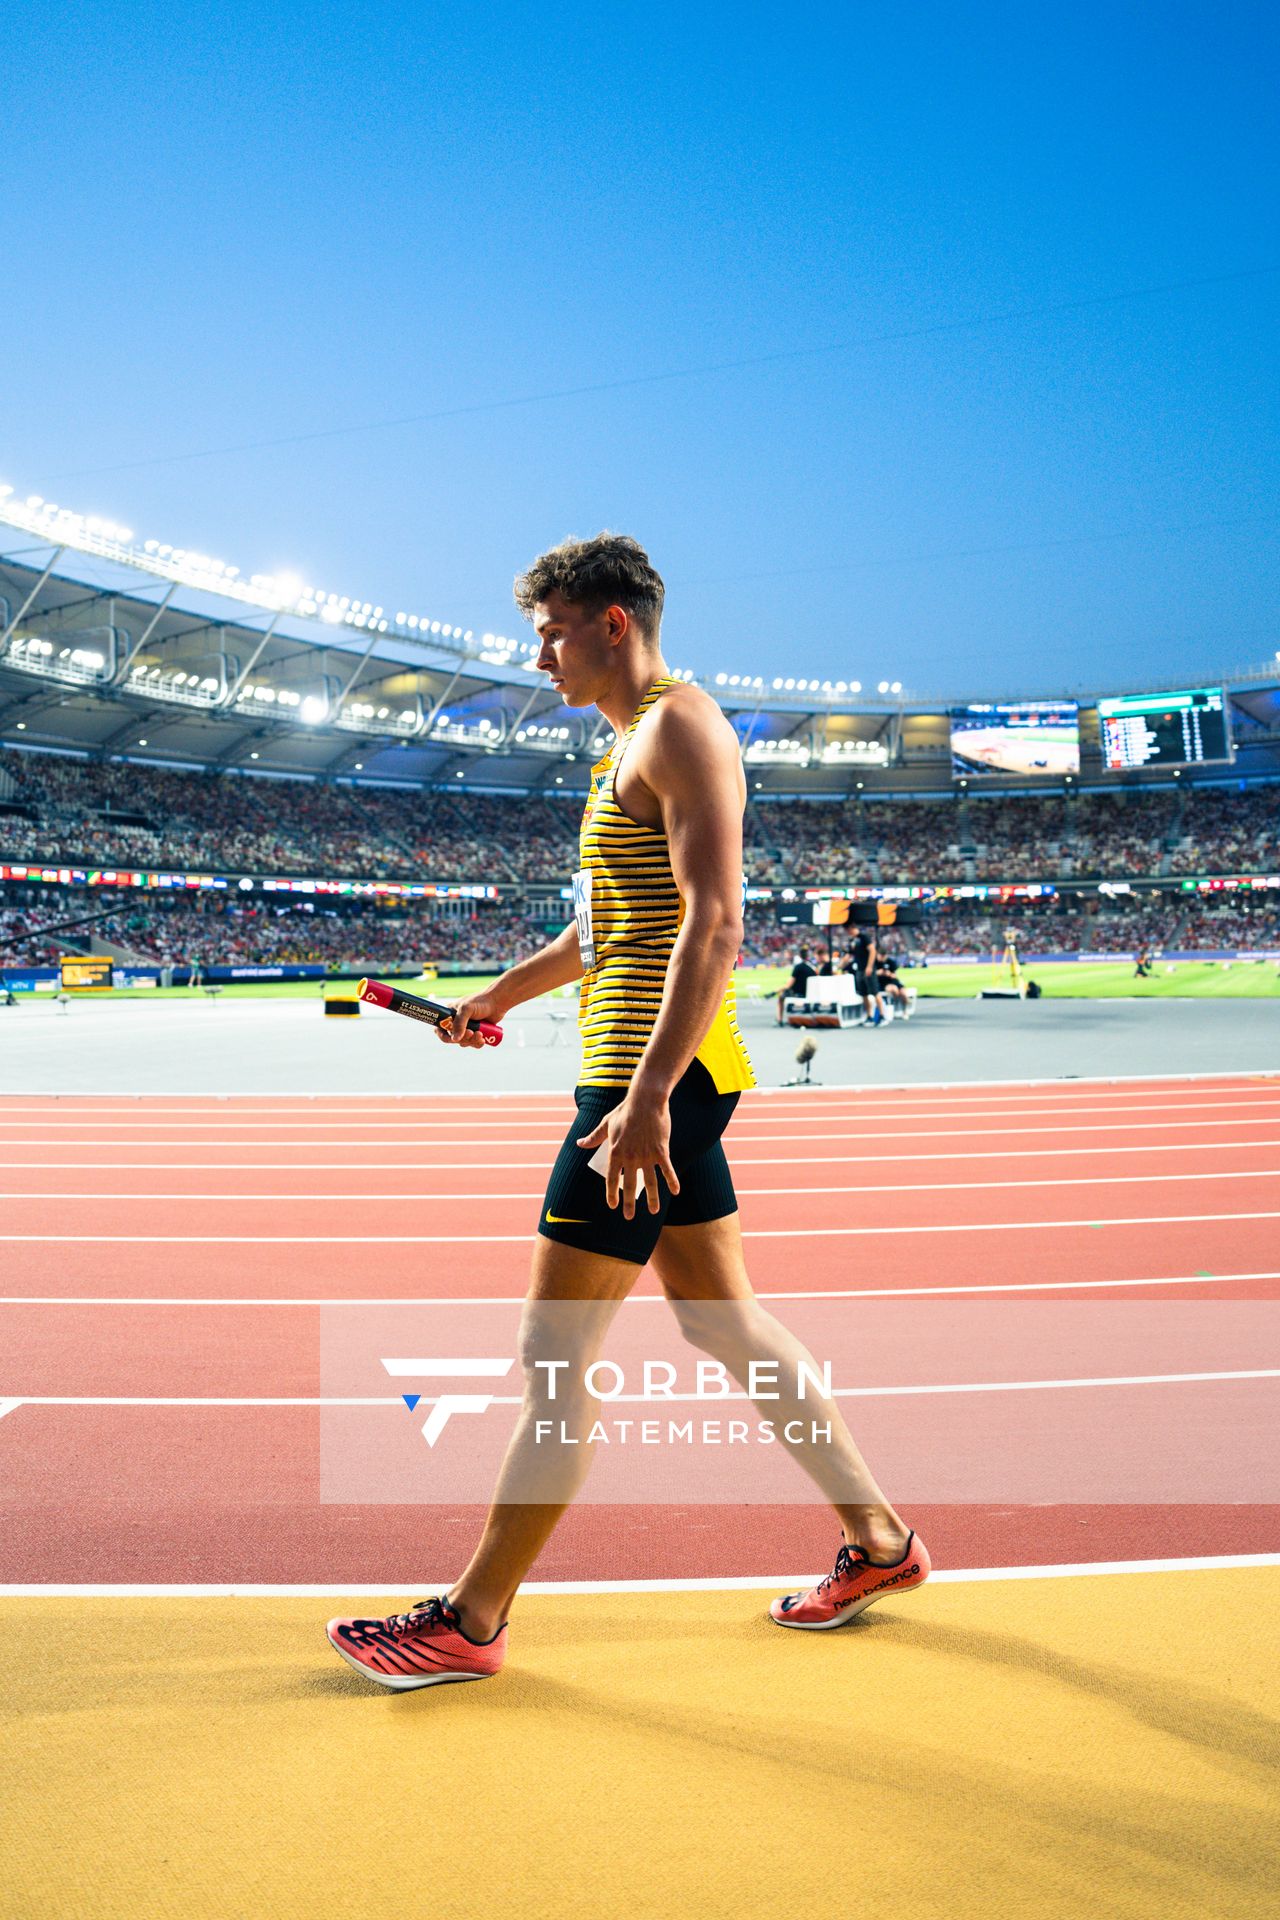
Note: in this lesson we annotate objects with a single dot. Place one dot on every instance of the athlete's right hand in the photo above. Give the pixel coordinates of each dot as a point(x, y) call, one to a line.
point(459, 1029)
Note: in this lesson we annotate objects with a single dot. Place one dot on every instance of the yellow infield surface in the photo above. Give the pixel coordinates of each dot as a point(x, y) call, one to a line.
point(1100, 1745)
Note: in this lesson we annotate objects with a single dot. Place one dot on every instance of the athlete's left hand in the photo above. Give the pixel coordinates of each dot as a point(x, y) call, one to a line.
point(639, 1136)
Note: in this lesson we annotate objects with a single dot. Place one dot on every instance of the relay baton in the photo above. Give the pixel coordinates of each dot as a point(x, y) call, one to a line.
point(396, 1000)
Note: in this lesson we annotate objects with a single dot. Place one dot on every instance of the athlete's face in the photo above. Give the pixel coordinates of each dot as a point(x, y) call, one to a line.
point(576, 648)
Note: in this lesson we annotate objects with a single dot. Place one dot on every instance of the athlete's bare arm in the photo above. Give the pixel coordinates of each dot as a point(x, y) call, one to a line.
point(684, 772)
point(554, 965)
point(691, 762)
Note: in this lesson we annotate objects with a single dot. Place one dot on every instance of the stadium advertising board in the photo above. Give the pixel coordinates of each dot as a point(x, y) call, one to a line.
point(225, 883)
point(1023, 737)
point(86, 973)
point(1164, 729)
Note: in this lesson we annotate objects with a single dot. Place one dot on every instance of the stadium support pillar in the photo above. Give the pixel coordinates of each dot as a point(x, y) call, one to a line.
point(428, 719)
point(229, 697)
point(21, 614)
point(122, 670)
point(354, 675)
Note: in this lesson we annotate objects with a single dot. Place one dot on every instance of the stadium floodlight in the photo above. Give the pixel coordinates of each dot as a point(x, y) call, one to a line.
point(884, 686)
point(279, 593)
point(896, 687)
point(314, 709)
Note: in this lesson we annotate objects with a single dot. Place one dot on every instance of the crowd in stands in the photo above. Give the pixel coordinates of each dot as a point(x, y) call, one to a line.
point(70, 811)
point(1226, 831)
point(1120, 835)
point(909, 838)
point(22, 935)
point(228, 930)
point(1017, 835)
point(969, 928)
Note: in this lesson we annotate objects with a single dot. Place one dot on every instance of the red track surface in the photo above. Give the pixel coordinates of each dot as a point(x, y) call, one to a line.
point(230, 1211)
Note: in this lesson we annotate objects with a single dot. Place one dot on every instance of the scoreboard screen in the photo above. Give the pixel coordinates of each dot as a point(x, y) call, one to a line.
point(1029, 737)
point(1164, 729)
point(86, 971)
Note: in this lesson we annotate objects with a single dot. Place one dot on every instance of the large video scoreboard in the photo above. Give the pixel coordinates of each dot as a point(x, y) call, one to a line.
point(1164, 729)
point(1028, 737)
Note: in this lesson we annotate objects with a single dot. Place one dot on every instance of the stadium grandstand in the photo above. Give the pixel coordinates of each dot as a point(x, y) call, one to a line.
point(250, 773)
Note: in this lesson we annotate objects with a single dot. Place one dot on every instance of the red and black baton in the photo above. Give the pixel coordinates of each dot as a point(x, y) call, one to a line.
point(396, 1000)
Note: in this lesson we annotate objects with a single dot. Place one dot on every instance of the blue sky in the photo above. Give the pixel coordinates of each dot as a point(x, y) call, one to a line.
point(865, 297)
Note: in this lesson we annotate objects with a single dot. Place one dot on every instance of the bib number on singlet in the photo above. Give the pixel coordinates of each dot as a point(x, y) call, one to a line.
point(583, 918)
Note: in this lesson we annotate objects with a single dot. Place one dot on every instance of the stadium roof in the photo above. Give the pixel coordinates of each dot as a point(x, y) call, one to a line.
point(112, 647)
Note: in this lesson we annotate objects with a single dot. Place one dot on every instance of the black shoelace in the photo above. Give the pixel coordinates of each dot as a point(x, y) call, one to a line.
point(847, 1560)
point(423, 1613)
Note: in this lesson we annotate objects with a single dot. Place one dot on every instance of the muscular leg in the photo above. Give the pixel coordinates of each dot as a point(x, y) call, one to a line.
point(704, 1276)
point(515, 1531)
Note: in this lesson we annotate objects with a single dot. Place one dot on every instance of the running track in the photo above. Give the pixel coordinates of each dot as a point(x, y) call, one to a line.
point(1084, 1276)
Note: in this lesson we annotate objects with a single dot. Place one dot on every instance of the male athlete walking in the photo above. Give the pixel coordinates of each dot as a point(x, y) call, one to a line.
point(655, 938)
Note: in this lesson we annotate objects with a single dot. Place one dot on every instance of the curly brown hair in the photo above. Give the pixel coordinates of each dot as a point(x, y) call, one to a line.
point(611, 570)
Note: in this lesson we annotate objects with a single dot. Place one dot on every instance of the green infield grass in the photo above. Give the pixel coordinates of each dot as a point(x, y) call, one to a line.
point(1061, 980)
point(1078, 980)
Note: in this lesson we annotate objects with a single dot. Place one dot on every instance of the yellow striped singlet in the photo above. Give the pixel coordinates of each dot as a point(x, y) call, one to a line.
point(629, 910)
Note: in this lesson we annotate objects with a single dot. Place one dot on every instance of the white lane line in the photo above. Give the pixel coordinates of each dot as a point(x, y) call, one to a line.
point(7, 1406)
point(552, 1589)
point(648, 1299)
point(522, 1239)
point(739, 1160)
point(755, 1193)
point(937, 1093)
point(640, 1399)
point(1064, 1081)
point(733, 1136)
point(1220, 1079)
point(429, 1111)
point(735, 1133)
point(861, 1112)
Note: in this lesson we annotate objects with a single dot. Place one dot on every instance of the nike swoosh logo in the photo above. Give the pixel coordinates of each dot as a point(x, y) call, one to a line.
point(565, 1220)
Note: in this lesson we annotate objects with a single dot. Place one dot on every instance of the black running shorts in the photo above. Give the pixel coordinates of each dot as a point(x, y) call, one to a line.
point(576, 1211)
